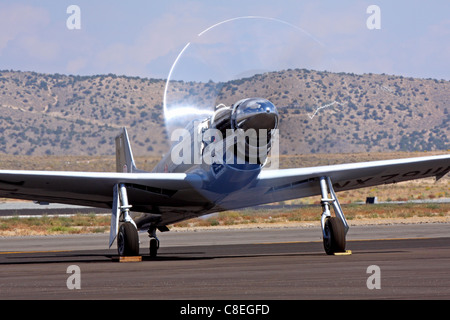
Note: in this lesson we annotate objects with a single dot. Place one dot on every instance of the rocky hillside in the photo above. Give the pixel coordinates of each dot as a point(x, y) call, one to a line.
point(321, 112)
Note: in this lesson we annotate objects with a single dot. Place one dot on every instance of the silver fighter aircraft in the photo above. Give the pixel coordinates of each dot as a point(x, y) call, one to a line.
point(206, 172)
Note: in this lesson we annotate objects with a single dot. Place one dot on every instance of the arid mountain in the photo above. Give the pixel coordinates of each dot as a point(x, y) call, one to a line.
point(320, 112)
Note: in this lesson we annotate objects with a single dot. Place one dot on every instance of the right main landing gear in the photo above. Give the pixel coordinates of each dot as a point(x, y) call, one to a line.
point(335, 236)
point(334, 229)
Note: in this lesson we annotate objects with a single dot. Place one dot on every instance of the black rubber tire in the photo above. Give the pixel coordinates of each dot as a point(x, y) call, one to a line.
point(128, 240)
point(336, 236)
point(154, 246)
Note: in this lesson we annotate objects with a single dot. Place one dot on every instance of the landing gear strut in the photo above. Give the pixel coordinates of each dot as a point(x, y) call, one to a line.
point(334, 229)
point(127, 237)
point(154, 242)
point(125, 230)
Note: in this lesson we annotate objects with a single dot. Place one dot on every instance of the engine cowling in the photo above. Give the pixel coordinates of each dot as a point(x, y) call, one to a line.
point(254, 113)
point(253, 121)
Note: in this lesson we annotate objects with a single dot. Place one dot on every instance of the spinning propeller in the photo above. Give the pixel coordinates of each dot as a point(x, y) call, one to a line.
point(206, 72)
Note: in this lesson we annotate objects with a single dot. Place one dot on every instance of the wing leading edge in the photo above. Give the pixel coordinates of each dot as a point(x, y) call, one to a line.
point(287, 184)
point(91, 188)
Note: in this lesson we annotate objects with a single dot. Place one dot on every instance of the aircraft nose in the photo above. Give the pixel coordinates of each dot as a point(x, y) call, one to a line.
point(254, 113)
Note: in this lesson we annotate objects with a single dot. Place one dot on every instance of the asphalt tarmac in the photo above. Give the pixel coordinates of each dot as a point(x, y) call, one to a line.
point(387, 262)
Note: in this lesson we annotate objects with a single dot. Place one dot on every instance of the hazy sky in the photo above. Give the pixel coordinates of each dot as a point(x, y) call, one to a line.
point(143, 38)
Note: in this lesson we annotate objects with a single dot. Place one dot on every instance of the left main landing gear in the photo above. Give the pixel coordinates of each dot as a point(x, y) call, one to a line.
point(334, 229)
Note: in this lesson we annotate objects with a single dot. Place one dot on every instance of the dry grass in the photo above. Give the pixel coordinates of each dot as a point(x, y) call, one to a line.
point(101, 163)
point(81, 223)
point(46, 225)
point(404, 191)
point(312, 214)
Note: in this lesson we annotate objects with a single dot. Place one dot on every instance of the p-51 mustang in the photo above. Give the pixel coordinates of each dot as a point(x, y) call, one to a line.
point(227, 177)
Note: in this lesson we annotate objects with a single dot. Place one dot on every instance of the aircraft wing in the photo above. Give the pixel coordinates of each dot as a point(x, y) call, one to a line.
point(180, 195)
point(286, 184)
point(95, 189)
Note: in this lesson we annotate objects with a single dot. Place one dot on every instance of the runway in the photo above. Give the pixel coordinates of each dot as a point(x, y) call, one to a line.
point(260, 264)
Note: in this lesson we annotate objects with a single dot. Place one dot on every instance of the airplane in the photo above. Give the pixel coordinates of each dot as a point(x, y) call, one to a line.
point(227, 177)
